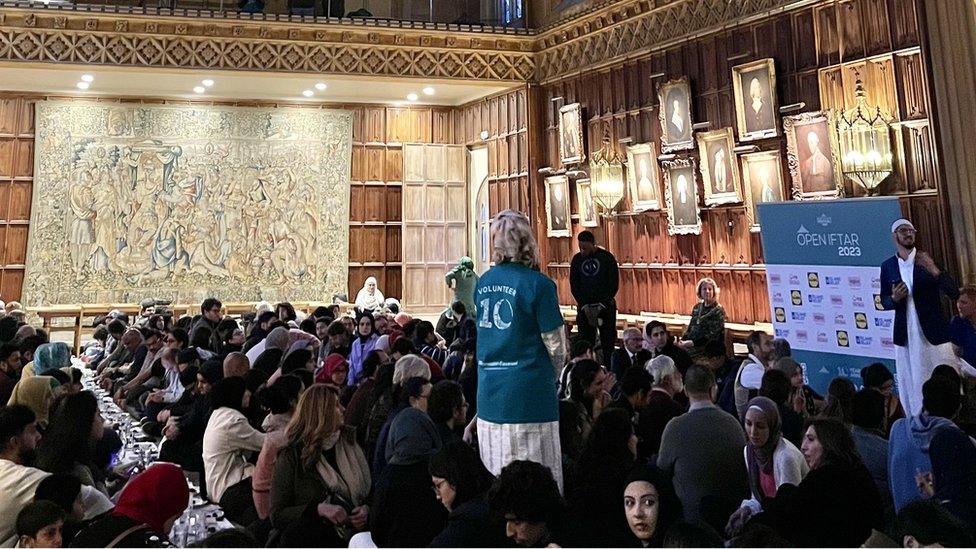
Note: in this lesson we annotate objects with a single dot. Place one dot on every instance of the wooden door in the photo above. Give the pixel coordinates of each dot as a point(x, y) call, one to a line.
point(434, 222)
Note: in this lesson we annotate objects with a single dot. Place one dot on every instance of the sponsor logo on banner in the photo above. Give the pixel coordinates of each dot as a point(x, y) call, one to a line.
point(863, 341)
point(822, 337)
point(823, 220)
point(877, 303)
point(794, 280)
point(815, 299)
point(796, 296)
point(778, 297)
point(798, 316)
point(813, 279)
point(882, 322)
point(854, 282)
point(837, 300)
point(819, 318)
point(840, 320)
point(857, 302)
point(887, 343)
point(876, 283)
point(785, 334)
point(780, 314)
point(842, 339)
point(833, 281)
point(775, 279)
point(861, 321)
point(801, 336)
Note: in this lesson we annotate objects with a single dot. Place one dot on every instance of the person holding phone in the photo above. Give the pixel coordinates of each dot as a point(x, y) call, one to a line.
point(911, 285)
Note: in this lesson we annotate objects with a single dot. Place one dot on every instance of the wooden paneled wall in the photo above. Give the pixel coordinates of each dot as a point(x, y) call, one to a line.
point(16, 181)
point(818, 51)
point(376, 194)
point(505, 118)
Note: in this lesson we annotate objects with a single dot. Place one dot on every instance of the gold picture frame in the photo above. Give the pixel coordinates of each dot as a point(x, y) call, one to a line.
point(558, 211)
point(587, 207)
point(814, 174)
point(757, 117)
point(643, 177)
point(571, 134)
point(681, 196)
point(719, 167)
point(762, 178)
point(674, 112)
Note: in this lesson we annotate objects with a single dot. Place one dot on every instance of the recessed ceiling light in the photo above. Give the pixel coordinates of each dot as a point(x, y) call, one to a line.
point(87, 78)
point(411, 97)
point(199, 89)
point(82, 85)
point(207, 83)
point(321, 86)
point(308, 93)
point(428, 91)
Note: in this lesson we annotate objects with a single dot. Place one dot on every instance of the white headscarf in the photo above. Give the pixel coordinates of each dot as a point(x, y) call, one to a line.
point(366, 301)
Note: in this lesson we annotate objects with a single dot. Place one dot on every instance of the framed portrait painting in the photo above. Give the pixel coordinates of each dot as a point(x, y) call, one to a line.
point(557, 206)
point(571, 134)
point(762, 176)
point(756, 109)
point(813, 155)
point(642, 178)
point(681, 196)
point(587, 208)
point(719, 167)
point(674, 98)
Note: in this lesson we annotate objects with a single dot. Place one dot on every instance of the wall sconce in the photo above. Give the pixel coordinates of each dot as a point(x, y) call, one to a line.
point(607, 176)
point(865, 143)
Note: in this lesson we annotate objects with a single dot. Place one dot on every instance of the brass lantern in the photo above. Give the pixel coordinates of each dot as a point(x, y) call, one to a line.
point(865, 143)
point(607, 176)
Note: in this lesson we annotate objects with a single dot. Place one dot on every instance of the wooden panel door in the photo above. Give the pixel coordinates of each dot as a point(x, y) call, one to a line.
point(434, 222)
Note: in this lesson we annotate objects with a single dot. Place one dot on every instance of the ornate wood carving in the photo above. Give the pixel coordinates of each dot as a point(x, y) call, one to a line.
point(135, 40)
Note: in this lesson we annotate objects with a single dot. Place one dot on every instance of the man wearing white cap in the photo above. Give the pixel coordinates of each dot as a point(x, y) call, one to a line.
point(910, 285)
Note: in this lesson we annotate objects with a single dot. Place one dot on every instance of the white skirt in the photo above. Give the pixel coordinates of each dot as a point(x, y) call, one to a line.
point(503, 443)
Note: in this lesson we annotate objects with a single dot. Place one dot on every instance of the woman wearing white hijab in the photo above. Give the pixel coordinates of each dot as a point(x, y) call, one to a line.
point(370, 298)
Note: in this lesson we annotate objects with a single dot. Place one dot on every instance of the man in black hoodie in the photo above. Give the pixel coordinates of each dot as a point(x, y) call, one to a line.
point(594, 280)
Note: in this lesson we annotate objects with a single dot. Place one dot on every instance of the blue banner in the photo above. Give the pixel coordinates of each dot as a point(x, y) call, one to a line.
point(823, 262)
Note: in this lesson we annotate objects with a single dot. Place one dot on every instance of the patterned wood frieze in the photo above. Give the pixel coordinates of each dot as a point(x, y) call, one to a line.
point(35, 36)
point(624, 28)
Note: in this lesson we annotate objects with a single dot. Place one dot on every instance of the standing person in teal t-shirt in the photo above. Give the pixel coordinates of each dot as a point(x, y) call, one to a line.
point(521, 349)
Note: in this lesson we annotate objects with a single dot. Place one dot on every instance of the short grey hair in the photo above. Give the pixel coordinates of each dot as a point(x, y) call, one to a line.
point(636, 332)
point(512, 240)
point(409, 366)
point(661, 368)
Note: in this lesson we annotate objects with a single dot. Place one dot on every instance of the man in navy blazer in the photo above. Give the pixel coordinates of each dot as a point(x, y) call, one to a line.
point(911, 283)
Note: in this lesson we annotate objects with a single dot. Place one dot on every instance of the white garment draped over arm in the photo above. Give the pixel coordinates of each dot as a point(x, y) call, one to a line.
point(789, 467)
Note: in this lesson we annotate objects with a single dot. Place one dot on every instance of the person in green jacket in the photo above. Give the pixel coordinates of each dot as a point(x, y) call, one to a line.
point(462, 279)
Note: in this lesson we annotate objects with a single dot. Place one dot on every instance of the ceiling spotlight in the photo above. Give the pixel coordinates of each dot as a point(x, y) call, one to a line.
point(199, 89)
point(308, 93)
point(411, 97)
point(321, 86)
point(207, 83)
point(87, 78)
point(428, 90)
point(82, 85)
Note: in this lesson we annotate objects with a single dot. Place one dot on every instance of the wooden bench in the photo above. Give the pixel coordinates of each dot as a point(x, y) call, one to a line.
point(735, 333)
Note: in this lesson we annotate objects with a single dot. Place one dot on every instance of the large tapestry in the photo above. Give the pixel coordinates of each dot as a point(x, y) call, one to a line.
point(184, 202)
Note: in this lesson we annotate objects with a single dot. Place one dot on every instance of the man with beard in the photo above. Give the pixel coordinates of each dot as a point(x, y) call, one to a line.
point(18, 481)
point(911, 283)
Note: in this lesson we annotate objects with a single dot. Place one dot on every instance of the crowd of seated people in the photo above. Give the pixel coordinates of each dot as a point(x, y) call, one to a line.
point(337, 430)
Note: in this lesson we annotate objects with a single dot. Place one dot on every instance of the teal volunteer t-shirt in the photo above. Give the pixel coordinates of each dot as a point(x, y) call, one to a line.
point(516, 382)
